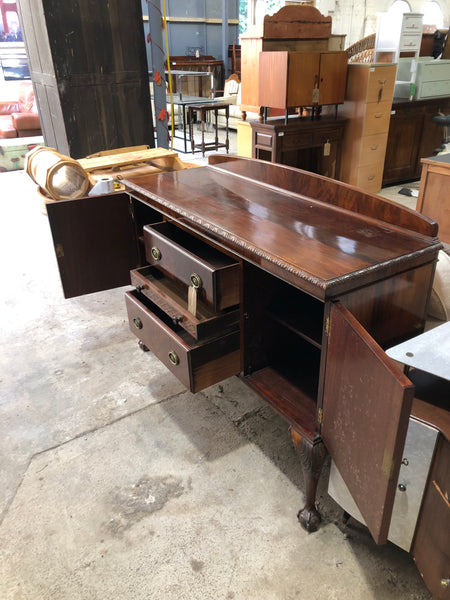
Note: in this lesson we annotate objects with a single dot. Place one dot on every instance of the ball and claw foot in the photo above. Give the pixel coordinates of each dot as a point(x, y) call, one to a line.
point(310, 519)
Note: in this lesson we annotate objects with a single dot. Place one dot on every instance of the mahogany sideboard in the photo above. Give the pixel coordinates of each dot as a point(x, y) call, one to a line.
point(292, 281)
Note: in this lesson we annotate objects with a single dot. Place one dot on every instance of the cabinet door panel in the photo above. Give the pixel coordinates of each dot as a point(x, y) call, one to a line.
point(303, 77)
point(95, 242)
point(366, 407)
point(333, 75)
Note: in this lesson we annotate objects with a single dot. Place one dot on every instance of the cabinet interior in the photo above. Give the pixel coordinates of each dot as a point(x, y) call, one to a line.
point(282, 345)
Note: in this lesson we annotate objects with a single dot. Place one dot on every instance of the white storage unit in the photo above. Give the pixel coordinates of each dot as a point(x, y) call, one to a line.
point(432, 78)
point(396, 34)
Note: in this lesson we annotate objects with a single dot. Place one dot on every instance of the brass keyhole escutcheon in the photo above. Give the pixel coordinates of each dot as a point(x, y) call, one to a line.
point(137, 323)
point(196, 281)
point(156, 253)
point(173, 357)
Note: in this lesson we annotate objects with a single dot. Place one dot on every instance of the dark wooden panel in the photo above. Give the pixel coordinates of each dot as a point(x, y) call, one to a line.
point(405, 129)
point(412, 136)
point(366, 407)
point(95, 242)
point(431, 548)
point(89, 67)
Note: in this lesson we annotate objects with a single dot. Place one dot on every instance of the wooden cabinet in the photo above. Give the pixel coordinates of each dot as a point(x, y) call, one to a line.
point(290, 79)
point(89, 69)
point(328, 276)
point(367, 107)
point(412, 136)
point(292, 29)
point(311, 145)
point(434, 194)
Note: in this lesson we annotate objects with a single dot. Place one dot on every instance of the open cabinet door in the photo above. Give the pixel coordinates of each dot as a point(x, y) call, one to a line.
point(95, 242)
point(366, 407)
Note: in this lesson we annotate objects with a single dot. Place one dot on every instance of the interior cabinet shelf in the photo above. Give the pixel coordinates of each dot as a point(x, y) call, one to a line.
point(296, 404)
point(297, 328)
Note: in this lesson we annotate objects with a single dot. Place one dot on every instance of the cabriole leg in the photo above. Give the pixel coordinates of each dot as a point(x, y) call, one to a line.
point(312, 456)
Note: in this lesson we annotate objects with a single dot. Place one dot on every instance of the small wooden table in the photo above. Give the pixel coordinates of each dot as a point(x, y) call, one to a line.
point(312, 145)
point(204, 109)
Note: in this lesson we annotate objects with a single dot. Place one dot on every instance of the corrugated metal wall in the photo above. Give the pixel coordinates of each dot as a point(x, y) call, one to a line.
point(197, 24)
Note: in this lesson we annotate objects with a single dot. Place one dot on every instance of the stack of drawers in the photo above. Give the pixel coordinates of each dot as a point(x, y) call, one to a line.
point(185, 306)
point(368, 101)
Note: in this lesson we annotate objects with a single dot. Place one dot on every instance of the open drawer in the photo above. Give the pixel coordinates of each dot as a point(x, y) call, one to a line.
point(196, 364)
point(172, 297)
point(213, 274)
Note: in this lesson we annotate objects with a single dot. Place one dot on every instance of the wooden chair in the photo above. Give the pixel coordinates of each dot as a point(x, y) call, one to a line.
point(231, 86)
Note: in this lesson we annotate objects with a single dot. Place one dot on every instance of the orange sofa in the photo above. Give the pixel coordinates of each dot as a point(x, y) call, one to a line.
point(19, 117)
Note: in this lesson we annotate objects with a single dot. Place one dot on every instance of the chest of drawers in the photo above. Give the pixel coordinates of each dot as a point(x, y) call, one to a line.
point(367, 107)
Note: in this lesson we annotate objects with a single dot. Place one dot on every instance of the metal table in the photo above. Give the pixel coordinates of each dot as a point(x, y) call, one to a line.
point(429, 352)
point(180, 74)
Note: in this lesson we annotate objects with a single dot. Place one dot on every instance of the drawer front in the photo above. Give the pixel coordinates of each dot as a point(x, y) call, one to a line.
point(412, 23)
point(432, 89)
point(381, 84)
point(438, 71)
point(321, 137)
point(293, 142)
point(213, 274)
point(369, 178)
point(410, 42)
point(377, 117)
point(263, 140)
point(196, 365)
point(417, 455)
point(172, 298)
point(373, 150)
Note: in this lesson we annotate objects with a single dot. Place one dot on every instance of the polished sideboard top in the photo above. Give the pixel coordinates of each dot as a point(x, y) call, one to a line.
point(321, 235)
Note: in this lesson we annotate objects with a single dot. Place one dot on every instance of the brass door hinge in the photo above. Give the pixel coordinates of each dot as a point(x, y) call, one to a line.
point(320, 416)
point(328, 325)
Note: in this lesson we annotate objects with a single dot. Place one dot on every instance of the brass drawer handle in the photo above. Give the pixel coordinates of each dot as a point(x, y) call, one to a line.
point(374, 147)
point(445, 583)
point(196, 281)
point(378, 115)
point(137, 323)
point(156, 253)
point(371, 177)
point(173, 358)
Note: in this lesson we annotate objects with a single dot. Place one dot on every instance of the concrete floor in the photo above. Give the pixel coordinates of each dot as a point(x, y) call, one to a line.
point(116, 483)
